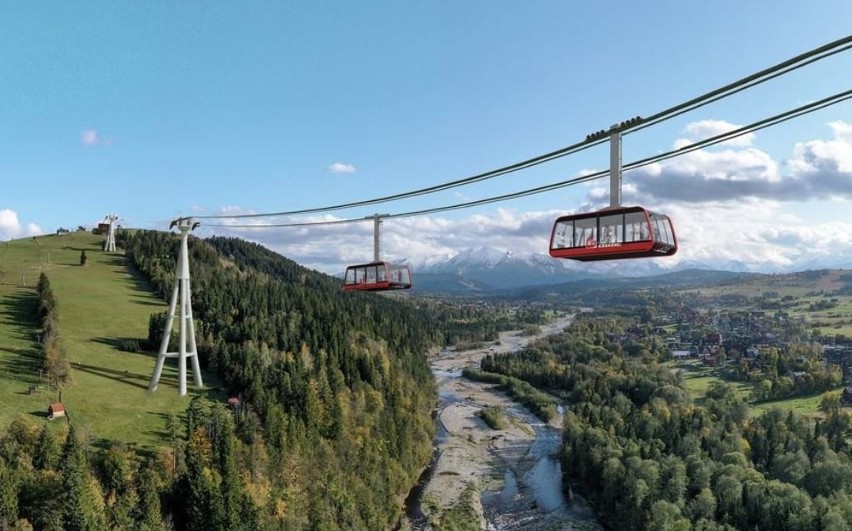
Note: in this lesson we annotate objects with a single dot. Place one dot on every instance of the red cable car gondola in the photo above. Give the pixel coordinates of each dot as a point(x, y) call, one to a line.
point(617, 231)
point(613, 233)
point(376, 276)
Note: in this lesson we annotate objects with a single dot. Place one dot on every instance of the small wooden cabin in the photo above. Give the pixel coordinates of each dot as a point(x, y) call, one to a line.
point(55, 410)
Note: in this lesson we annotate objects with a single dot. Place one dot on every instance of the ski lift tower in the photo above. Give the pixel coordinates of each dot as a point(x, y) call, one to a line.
point(186, 346)
point(109, 225)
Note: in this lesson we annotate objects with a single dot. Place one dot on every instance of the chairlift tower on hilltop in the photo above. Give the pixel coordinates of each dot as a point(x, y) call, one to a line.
point(186, 341)
point(109, 225)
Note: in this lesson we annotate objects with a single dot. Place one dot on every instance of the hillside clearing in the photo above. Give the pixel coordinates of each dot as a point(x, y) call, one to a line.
point(100, 304)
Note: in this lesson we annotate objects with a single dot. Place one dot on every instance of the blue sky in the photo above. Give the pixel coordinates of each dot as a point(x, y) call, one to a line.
point(154, 110)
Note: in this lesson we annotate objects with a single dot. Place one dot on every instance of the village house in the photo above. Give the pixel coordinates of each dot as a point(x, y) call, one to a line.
point(680, 354)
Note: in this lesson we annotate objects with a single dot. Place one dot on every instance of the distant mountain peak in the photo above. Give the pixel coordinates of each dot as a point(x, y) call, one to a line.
point(483, 256)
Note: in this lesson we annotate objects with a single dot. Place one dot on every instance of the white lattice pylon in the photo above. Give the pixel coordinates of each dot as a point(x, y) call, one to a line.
point(181, 293)
point(110, 241)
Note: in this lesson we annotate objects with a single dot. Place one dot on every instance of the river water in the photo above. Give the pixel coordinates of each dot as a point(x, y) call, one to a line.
point(531, 496)
point(530, 482)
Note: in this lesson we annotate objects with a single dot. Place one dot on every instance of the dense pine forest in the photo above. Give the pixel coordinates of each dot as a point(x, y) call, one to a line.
point(335, 394)
point(330, 428)
point(648, 457)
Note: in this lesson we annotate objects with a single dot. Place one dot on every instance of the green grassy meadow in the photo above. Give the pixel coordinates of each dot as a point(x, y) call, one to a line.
point(803, 405)
point(99, 305)
point(697, 379)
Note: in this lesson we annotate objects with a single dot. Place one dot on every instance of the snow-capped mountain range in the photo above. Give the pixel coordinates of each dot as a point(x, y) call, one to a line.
point(495, 269)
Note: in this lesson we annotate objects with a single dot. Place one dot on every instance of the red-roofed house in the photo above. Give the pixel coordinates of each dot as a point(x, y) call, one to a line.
point(55, 410)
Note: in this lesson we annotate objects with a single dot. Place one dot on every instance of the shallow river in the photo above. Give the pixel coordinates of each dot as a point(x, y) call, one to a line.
point(529, 478)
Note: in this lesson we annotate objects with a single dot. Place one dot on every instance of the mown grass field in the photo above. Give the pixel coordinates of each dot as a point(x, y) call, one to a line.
point(99, 305)
point(698, 379)
point(804, 405)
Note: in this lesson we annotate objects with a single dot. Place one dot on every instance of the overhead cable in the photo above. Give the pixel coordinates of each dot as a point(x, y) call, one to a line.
point(707, 142)
point(799, 61)
point(752, 80)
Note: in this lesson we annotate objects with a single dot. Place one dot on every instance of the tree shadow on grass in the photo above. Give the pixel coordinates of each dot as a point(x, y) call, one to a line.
point(22, 364)
point(147, 301)
point(18, 309)
point(118, 343)
point(164, 420)
point(138, 281)
point(76, 261)
point(125, 377)
point(103, 443)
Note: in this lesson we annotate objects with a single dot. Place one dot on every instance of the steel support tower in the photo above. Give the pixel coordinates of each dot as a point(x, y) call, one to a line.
point(181, 293)
point(109, 246)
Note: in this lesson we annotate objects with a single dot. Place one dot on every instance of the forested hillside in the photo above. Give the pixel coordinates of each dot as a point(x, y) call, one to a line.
point(335, 393)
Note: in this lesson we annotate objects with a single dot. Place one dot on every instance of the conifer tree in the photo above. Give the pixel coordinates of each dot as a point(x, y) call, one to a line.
point(202, 498)
point(82, 507)
point(9, 481)
point(46, 455)
point(149, 515)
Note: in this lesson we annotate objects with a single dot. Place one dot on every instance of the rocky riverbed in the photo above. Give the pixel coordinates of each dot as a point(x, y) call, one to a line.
point(510, 478)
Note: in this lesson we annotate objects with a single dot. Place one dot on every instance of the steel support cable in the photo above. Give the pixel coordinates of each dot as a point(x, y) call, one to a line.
point(756, 126)
point(767, 74)
point(295, 224)
point(710, 141)
point(574, 148)
point(784, 67)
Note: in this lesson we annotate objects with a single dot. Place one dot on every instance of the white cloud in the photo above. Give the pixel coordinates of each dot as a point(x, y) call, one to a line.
point(825, 156)
point(701, 130)
point(10, 226)
point(233, 210)
point(342, 167)
point(817, 169)
point(762, 234)
point(841, 130)
point(91, 138)
point(748, 164)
